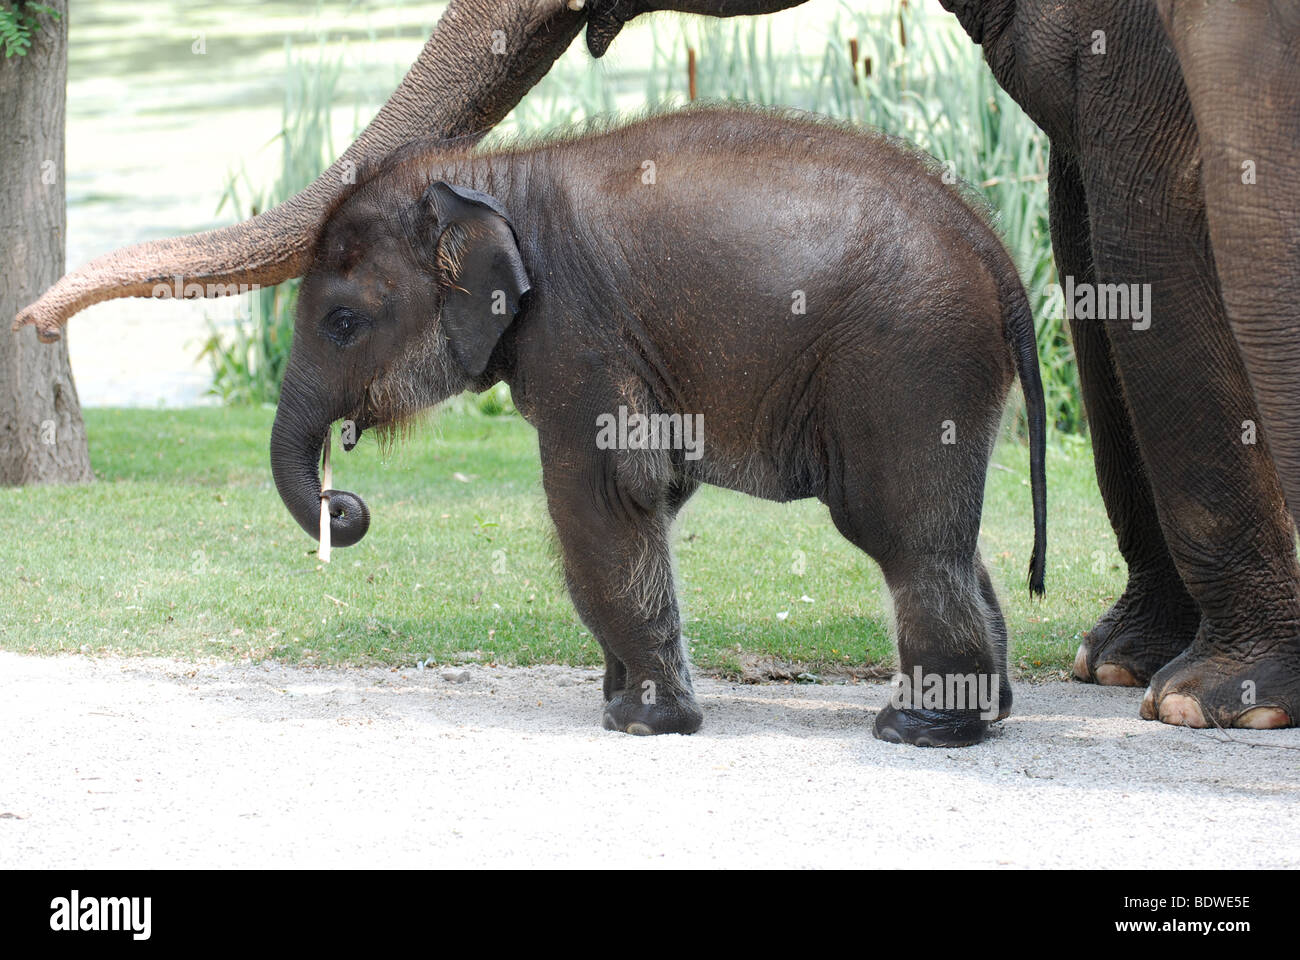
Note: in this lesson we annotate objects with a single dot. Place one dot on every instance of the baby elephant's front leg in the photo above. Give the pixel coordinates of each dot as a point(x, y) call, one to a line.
point(619, 573)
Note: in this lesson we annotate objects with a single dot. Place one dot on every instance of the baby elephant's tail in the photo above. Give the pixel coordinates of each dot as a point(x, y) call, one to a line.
point(1019, 324)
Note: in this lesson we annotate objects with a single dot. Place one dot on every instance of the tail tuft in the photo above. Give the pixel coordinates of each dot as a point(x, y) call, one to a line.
point(1037, 565)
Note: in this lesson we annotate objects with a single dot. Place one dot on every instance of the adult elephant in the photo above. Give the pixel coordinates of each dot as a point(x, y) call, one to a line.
point(1211, 613)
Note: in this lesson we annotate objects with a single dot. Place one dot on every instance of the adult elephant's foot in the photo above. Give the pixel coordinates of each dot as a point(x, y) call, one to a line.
point(1146, 628)
point(930, 728)
point(1253, 686)
point(645, 712)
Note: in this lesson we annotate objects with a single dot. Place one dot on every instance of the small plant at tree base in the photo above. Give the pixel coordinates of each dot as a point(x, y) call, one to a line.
point(19, 21)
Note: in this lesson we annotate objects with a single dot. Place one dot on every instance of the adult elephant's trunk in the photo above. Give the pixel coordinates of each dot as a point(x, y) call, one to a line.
point(483, 56)
point(296, 441)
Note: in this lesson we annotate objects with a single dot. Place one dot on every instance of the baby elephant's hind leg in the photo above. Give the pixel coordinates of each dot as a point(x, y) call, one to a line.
point(951, 651)
point(922, 527)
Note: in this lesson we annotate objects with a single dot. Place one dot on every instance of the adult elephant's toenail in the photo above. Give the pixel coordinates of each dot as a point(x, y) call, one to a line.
point(1148, 708)
point(1081, 664)
point(1182, 711)
point(1113, 675)
point(1263, 718)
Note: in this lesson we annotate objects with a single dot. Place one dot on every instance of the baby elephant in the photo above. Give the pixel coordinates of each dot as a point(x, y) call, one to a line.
point(768, 303)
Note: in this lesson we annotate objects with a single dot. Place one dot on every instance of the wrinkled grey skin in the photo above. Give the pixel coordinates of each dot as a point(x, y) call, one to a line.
point(1240, 65)
point(843, 324)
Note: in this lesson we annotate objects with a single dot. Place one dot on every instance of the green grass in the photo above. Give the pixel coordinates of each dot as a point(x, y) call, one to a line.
point(183, 549)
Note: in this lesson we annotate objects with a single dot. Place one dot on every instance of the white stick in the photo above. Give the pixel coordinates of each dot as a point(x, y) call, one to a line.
point(327, 481)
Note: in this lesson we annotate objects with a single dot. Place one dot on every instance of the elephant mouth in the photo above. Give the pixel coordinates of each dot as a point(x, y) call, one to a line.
point(385, 427)
point(365, 416)
point(353, 428)
point(389, 414)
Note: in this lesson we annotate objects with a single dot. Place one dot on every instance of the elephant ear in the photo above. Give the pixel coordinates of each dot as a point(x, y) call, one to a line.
point(480, 271)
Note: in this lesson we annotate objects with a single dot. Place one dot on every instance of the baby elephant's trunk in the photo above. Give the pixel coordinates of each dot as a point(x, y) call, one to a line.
point(297, 438)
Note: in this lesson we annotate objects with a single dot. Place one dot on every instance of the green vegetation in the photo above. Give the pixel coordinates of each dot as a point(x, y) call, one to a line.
point(184, 549)
point(19, 22)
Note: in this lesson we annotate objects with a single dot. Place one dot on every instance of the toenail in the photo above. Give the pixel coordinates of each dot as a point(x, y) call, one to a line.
point(1263, 718)
point(1113, 675)
point(1081, 663)
point(1148, 708)
point(1182, 711)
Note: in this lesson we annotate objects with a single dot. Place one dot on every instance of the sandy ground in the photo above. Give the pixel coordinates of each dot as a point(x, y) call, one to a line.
point(147, 763)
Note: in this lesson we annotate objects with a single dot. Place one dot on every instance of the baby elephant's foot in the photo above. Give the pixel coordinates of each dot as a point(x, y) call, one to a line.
point(644, 712)
point(1206, 687)
point(930, 728)
point(1004, 697)
point(953, 709)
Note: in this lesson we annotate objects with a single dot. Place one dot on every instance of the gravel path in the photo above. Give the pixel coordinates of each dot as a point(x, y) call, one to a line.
point(149, 763)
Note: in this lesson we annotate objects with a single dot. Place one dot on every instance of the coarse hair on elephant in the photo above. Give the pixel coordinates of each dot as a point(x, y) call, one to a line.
point(754, 300)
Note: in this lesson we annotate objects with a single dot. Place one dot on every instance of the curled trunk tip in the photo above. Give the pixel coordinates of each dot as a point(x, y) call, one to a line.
point(295, 451)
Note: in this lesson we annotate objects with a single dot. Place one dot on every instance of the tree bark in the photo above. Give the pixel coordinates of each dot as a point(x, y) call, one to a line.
point(42, 437)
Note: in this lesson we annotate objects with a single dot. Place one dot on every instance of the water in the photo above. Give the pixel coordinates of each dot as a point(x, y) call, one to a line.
point(164, 102)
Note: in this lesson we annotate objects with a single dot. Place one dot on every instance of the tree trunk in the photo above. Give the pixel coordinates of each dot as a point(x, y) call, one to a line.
point(42, 437)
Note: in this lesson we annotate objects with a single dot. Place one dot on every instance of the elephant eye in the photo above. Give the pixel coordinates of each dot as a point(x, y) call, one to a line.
point(343, 326)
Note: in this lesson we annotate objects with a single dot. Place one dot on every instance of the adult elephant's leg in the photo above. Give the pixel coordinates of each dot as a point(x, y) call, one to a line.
point(1155, 618)
point(1239, 64)
point(618, 568)
point(1218, 498)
